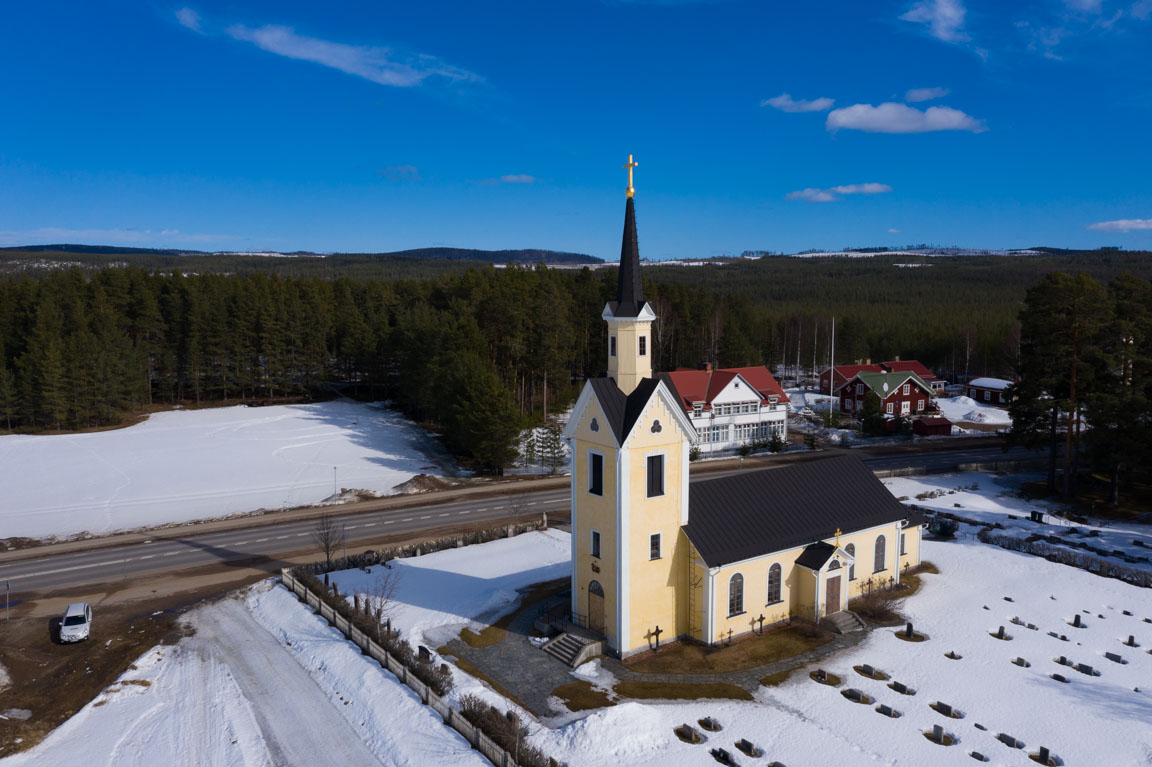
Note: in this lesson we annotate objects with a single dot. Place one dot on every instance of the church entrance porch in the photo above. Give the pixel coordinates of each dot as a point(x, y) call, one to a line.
point(832, 596)
point(596, 607)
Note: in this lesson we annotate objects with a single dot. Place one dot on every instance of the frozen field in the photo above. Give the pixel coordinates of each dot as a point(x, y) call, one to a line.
point(186, 465)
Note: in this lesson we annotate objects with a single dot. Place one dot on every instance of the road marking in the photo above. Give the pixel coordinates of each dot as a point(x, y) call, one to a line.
point(300, 534)
point(389, 521)
point(171, 553)
point(427, 517)
point(351, 527)
point(441, 515)
point(149, 556)
point(369, 524)
point(282, 537)
point(463, 512)
point(238, 543)
point(259, 540)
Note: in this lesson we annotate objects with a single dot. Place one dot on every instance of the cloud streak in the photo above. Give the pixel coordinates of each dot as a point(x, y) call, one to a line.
point(189, 18)
point(375, 64)
point(925, 94)
point(944, 18)
point(833, 193)
point(786, 103)
point(1123, 225)
point(891, 117)
point(400, 173)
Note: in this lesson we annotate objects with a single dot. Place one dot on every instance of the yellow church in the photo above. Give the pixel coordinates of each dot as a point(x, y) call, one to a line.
point(654, 558)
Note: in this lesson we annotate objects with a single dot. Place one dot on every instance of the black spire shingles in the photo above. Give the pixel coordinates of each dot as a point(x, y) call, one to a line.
point(630, 294)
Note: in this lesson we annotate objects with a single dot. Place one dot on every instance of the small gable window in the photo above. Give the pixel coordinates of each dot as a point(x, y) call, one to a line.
point(595, 474)
point(595, 425)
point(879, 553)
point(735, 595)
point(907, 388)
point(595, 544)
point(611, 346)
point(643, 346)
point(655, 475)
point(851, 549)
point(774, 573)
point(656, 427)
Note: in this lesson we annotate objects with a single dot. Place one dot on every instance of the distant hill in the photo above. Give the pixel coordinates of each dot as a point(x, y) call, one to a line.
point(513, 256)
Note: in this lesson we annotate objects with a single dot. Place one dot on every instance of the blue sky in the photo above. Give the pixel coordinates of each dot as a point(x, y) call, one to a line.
point(757, 125)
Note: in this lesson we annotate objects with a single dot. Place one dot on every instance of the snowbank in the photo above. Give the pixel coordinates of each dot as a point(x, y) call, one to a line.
point(458, 587)
point(185, 465)
point(966, 409)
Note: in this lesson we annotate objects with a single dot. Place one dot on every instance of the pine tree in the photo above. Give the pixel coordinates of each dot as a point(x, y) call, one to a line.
point(8, 398)
point(872, 421)
point(552, 451)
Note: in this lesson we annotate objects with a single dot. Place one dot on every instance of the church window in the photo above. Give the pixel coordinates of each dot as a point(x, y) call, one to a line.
point(735, 595)
point(903, 550)
point(643, 346)
point(879, 554)
point(774, 573)
point(595, 474)
point(595, 425)
point(851, 549)
point(595, 545)
point(654, 546)
point(655, 475)
point(611, 346)
point(656, 427)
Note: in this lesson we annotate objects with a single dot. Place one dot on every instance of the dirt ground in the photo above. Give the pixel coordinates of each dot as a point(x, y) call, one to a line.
point(53, 681)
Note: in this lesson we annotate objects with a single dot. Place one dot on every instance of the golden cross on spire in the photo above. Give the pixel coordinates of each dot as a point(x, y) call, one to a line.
point(838, 534)
point(630, 165)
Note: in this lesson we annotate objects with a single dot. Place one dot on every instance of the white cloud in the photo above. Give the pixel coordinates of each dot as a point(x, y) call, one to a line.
point(53, 235)
point(1141, 10)
point(189, 18)
point(518, 178)
point(894, 231)
point(378, 65)
point(1124, 225)
point(925, 94)
point(786, 103)
point(891, 117)
point(831, 194)
point(1086, 6)
point(400, 173)
point(944, 18)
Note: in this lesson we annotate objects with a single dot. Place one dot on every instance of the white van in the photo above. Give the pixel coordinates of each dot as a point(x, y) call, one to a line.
point(77, 623)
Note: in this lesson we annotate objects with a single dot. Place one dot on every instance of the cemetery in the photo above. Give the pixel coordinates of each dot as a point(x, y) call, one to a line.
point(1068, 689)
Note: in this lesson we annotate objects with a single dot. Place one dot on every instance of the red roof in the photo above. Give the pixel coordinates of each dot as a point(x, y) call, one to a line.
point(935, 420)
point(704, 385)
point(850, 371)
point(911, 366)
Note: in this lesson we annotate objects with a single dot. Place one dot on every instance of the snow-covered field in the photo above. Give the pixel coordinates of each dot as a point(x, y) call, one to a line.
point(451, 589)
point(186, 465)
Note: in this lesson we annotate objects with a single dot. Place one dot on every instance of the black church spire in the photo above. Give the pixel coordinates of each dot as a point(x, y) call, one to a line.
point(630, 294)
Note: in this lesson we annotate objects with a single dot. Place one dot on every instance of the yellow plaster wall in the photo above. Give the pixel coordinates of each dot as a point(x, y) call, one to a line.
point(628, 368)
point(658, 596)
point(595, 513)
point(911, 556)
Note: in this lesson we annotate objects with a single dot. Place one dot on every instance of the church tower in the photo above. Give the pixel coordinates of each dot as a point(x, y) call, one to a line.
point(630, 440)
point(629, 317)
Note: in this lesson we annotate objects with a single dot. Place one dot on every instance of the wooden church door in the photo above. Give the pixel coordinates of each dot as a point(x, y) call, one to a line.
point(596, 607)
point(832, 603)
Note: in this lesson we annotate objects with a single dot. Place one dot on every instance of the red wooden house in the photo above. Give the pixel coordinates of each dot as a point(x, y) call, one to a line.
point(905, 394)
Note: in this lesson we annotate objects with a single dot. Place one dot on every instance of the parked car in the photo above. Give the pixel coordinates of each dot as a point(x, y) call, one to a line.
point(77, 623)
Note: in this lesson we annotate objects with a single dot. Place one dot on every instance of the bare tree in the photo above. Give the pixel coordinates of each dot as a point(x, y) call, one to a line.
point(379, 597)
point(328, 535)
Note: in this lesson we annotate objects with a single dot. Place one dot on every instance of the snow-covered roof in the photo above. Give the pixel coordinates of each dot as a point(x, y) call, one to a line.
point(990, 383)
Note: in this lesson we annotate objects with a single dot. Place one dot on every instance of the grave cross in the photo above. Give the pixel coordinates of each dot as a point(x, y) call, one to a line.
point(657, 634)
point(761, 621)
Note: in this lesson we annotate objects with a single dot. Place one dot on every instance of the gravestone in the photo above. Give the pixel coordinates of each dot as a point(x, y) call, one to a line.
point(722, 756)
point(1114, 657)
point(1016, 620)
point(944, 708)
point(1063, 661)
point(822, 675)
point(1076, 620)
point(1127, 612)
point(868, 670)
point(853, 694)
point(1131, 641)
point(937, 733)
point(1000, 633)
point(1060, 678)
point(1043, 755)
point(1022, 663)
point(909, 633)
point(746, 746)
point(885, 710)
point(1084, 668)
point(1009, 741)
point(1009, 599)
point(1032, 626)
point(900, 688)
point(979, 756)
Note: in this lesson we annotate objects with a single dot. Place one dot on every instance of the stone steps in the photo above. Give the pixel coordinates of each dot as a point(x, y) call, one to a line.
point(568, 649)
point(843, 622)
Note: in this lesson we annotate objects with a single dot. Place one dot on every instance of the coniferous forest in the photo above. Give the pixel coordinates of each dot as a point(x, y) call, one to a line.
point(478, 352)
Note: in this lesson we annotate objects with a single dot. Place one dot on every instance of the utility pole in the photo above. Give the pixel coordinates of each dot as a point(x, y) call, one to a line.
point(344, 535)
point(7, 599)
point(335, 490)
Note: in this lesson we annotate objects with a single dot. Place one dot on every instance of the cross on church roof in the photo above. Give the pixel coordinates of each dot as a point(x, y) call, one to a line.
point(630, 165)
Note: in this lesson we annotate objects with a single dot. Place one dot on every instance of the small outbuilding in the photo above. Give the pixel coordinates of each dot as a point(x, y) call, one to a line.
point(932, 426)
point(992, 391)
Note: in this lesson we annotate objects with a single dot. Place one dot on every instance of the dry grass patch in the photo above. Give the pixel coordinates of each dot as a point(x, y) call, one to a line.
point(772, 680)
point(749, 652)
point(582, 696)
point(498, 631)
point(687, 691)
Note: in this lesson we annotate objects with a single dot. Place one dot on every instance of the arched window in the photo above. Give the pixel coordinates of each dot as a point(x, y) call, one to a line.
point(851, 549)
point(835, 565)
point(774, 584)
point(736, 594)
point(879, 553)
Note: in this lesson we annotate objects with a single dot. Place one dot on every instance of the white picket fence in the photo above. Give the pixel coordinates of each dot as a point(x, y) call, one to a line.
point(368, 646)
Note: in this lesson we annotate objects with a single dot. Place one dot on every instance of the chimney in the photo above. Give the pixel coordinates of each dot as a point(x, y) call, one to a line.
point(868, 361)
point(707, 367)
point(897, 357)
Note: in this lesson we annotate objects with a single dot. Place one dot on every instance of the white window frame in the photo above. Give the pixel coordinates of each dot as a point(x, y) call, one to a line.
point(987, 396)
point(743, 582)
point(907, 388)
point(659, 546)
point(642, 346)
point(611, 346)
point(919, 404)
point(891, 408)
point(595, 543)
point(602, 473)
point(663, 471)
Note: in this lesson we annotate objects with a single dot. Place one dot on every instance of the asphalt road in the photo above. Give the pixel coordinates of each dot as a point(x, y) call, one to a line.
point(265, 544)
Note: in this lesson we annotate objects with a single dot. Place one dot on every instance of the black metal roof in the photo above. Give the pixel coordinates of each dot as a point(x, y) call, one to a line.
point(813, 557)
point(630, 292)
point(622, 410)
point(748, 515)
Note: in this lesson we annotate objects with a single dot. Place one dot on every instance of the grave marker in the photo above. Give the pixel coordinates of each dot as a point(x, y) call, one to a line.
point(937, 733)
point(868, 670)
point(1114, 657)
point(944, 708)
point(1060, 678)
point(1131, 641)
point(1043, 755)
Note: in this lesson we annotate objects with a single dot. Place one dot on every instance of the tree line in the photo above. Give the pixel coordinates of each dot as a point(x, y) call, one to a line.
point(476, 354)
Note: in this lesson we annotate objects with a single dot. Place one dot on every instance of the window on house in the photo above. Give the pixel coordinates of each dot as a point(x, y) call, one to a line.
point(903, 551)
point(654, 546)
point(655, 475)
point(919, 404)
point(595, 545)
point(987, 396)
point(851, 549)
point(879, 554)
point(774, 573)
point(890, 408)
point(859, 388)
point(697, 409)
point(595, 474)
point(643, 346)
point(611, 346)
point(735, 595)
point(907, 388)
